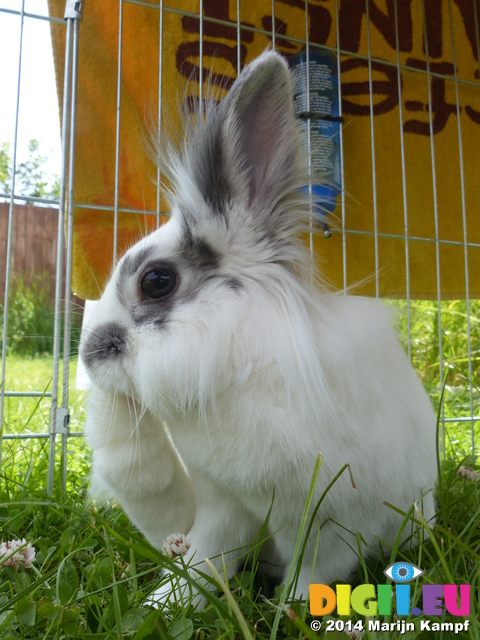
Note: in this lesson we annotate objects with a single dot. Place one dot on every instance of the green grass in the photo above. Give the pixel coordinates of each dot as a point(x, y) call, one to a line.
point(459, 386)
point(94, 571)
point(31, 415)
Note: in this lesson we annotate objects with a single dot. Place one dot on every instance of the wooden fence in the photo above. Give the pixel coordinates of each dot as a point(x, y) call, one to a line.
point(34, 245)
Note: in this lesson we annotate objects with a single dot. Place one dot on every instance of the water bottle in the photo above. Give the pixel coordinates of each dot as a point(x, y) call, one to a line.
point(325, 123)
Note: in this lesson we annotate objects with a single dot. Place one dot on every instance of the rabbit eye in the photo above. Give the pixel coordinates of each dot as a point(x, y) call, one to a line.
point(158, 283)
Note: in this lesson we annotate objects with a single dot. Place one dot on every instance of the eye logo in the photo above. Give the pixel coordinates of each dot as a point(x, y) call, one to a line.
point(402, 572)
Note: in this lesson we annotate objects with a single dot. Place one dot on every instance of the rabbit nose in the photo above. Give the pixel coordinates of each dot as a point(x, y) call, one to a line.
point(103, 342)
point(116, 344)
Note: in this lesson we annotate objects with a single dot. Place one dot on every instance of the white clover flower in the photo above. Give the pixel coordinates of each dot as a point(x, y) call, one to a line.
point(468, 473)
point(176, 544)
point(16, 554)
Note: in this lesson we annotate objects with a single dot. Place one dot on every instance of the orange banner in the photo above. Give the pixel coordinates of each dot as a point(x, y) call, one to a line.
point(425, 191)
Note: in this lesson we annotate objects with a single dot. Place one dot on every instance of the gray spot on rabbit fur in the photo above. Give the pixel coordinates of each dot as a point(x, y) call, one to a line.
point(106, 341)
point(209, 167)
point(155, 312)
point(132, 263)
point(197, 251)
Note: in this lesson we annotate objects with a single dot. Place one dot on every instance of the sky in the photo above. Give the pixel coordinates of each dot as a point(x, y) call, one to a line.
point(38, 111)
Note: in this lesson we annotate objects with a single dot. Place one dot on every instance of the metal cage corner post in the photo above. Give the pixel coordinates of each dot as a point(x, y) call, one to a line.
point(9, 238)
point(59, 414)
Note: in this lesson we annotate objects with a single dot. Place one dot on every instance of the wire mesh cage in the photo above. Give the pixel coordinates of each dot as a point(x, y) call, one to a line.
point(402, 226)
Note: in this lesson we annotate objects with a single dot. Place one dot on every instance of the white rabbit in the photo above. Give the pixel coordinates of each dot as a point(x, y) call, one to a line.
point(212, 325)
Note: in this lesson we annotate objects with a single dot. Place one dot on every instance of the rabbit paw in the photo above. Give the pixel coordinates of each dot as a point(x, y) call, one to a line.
point(175, 592)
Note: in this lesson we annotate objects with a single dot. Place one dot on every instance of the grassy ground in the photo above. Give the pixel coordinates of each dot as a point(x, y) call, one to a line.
point(94, 571)
point(31, 415)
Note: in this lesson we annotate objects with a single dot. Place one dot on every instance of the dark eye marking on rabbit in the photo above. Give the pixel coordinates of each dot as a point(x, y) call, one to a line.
point(129, 267)
point(233, 283)
point(198, 252)
point(153, 312)
point(159, 311)
point(107, 341)
point(132, 263)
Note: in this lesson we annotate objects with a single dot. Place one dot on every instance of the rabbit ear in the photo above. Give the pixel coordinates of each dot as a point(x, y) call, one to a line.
point(244, 158)
point(259, 133)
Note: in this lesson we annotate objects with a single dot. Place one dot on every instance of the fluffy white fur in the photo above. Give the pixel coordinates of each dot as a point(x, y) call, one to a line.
point(254, 380)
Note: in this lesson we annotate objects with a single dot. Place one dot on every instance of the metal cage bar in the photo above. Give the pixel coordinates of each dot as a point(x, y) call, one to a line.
point(309, 123)
point(159, 126)
point(342, 158)
point(464, 221)
point(117, 134)
point(372, 147)
point(435, 213)
point(404, 187)
point(59, 416)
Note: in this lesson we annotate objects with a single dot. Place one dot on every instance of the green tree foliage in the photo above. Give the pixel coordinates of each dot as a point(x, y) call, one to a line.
point(30, 176)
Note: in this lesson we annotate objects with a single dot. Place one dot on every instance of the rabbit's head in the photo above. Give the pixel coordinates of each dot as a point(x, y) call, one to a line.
point(220, 293)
